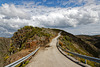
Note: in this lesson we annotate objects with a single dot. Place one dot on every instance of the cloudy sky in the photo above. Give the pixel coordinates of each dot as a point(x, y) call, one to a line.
point(74, 16)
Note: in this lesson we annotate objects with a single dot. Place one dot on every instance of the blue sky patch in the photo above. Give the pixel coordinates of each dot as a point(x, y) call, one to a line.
point(48, 3)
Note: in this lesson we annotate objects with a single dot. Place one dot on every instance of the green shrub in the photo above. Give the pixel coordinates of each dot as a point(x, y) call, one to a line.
point(11, 49)
point(11, 45)
point(6, 57)
point(27, 62)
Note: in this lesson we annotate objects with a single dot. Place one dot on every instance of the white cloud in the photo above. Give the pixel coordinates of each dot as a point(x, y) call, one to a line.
point(13, 17)
point(10, 11)
point(90, 29)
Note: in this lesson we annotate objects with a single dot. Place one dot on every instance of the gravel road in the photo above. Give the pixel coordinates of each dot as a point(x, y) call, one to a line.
point(50, 57)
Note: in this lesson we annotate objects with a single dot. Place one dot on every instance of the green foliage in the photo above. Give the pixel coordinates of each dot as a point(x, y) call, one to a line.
point(29, 33)
point(68, 38)
point(11, 45)
point(27, 62)
point(19, 65)
point(23, 64)
point(11, 49)
point(82, 60)
point(6, 57)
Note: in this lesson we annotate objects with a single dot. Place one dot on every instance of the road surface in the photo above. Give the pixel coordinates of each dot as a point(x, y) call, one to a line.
point(51, 57)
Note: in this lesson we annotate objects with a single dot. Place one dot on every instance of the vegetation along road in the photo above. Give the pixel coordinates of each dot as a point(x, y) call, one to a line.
point(51, 57)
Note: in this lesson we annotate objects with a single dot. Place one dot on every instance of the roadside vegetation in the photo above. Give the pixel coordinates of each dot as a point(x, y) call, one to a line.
point(72, 43)
point(23, 42)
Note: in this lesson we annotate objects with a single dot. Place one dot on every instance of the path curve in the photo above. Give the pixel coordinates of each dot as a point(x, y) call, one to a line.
point(51, 57)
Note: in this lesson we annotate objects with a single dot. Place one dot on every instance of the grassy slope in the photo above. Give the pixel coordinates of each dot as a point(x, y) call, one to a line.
point(26, 39)
point(82, 44)
point(4, 48)
point(75, 44)
point(93, 40)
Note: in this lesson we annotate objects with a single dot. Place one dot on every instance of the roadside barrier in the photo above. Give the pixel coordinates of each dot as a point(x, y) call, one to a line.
point(22, 59)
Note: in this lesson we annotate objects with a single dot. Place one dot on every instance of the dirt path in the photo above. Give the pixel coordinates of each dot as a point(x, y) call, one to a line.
point(51, 57)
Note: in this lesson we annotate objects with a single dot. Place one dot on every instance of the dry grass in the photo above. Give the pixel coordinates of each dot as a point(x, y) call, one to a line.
point(17, 56)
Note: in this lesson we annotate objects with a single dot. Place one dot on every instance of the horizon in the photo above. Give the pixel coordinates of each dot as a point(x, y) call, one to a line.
point(79, 17)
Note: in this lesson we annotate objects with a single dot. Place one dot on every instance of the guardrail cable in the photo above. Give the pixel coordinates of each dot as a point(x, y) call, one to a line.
point(79, 55)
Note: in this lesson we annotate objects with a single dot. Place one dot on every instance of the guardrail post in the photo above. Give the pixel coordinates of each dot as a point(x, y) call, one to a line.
point(58, 42)
point(85, 61)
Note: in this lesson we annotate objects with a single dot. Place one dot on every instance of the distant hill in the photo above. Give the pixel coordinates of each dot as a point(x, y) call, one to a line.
point(93, 40)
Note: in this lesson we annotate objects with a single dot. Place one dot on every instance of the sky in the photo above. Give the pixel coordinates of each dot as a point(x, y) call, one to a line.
point(74, 16)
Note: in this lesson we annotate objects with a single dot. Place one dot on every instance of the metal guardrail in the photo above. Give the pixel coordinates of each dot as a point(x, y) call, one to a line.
point(22, 59)
point(81, 56)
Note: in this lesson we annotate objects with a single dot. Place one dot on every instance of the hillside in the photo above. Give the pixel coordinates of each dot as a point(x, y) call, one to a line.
point(4, 49)
point(28, 37)
point(75, 44)
point(24, 41)
point(93, 40)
